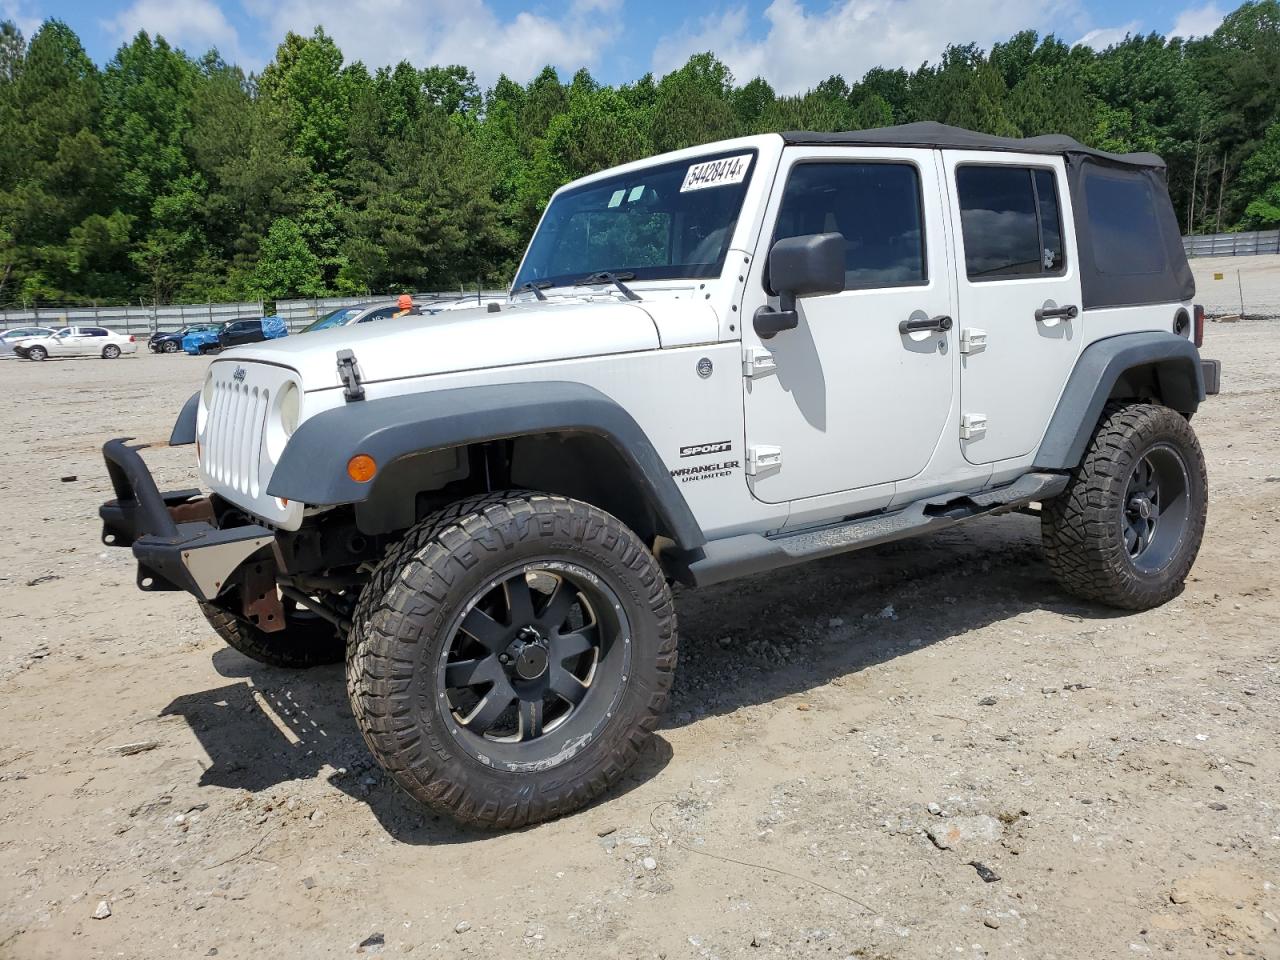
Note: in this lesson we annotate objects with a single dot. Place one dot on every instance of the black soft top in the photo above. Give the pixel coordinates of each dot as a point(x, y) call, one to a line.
point(930, 134)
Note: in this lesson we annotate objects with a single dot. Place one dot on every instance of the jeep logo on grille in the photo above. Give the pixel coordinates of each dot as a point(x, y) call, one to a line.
point(702, 449)
point(238, 376)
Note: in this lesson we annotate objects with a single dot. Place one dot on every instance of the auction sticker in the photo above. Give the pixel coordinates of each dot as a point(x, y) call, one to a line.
point(716, 173)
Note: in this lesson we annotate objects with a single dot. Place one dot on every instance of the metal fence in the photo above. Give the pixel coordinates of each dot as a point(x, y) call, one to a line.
point(1232, 244)
point(137, 320)
point(147, 320)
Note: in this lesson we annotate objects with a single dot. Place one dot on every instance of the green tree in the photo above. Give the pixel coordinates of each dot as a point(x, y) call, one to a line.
point(286, 265)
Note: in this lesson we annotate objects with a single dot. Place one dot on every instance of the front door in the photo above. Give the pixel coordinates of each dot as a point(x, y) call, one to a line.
point(849, 398)
point(1019, 294)
point(69, 343)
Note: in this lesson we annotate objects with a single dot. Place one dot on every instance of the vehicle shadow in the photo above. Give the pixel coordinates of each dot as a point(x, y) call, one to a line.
point(272, 726)
point(787, 632)
point(742, 644)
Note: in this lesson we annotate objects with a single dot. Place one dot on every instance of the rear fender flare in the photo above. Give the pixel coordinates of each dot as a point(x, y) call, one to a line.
point(1176, 363)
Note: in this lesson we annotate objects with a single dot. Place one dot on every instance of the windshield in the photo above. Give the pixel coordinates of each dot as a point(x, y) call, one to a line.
point(668, 222)
point(335, 319)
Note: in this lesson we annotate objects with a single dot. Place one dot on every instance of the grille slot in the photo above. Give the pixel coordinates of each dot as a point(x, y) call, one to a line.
point(237, 419)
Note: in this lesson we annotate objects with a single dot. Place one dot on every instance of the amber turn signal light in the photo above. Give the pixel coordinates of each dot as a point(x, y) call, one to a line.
point(361, 468)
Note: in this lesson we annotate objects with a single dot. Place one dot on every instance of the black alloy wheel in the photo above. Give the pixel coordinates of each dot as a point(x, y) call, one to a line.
point(1156, 508)
point(542, 649)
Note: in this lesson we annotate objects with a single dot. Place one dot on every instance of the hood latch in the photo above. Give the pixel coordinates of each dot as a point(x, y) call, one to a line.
point(349, 374)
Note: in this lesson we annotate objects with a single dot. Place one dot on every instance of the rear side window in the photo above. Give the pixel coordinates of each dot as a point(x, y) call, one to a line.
point(1011, 220)
point(875, 206)
point(1123, 225)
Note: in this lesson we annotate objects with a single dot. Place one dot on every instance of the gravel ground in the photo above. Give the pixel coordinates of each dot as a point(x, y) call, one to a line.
point(922, 750)
point(1256, 280)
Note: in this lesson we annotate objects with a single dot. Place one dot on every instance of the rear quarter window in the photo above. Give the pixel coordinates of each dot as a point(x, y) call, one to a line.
point(1123, 224)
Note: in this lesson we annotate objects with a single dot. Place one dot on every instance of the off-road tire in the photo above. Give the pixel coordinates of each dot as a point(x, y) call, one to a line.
point(37, 353)
point(402, 629)
point(110, 352)
point(309, 642)
point(1083, 528)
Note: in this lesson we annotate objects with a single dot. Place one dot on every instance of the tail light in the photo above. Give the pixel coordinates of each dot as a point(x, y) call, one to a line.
point(1197, 313)
point(133, 339)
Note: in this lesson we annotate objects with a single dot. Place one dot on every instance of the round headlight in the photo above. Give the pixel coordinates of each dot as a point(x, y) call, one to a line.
point(290, 405)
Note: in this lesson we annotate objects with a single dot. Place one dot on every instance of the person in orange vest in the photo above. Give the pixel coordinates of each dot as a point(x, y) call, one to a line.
point(407, 308)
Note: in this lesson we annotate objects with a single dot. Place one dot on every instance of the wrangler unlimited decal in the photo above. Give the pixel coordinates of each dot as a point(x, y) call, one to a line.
point(705, 471)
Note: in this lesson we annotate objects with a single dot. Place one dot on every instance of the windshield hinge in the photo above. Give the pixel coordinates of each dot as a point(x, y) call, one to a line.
point(349, 374)
point(758, 363)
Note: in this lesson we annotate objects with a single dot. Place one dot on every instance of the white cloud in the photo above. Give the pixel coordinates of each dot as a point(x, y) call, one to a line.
point(1198, 21)
point(194, 25)
point(426, 32)
point(1104, 37)
point(25, 19)
point(801, 48)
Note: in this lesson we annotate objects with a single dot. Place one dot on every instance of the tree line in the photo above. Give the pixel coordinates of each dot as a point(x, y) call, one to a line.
point(166, 178)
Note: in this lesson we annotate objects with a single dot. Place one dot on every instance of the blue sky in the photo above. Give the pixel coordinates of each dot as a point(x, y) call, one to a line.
point(792, 43)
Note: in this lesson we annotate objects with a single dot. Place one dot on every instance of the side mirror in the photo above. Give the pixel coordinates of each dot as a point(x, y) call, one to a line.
point(800, 266)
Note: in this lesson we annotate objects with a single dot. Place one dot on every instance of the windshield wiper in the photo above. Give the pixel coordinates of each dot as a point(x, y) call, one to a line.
point(536, 286)
point(616, 279)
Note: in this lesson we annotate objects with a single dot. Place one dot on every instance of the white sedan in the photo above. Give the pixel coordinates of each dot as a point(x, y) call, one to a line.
point(77, 342)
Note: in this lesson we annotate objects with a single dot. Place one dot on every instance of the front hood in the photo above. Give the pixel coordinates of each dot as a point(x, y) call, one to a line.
point(459, 340)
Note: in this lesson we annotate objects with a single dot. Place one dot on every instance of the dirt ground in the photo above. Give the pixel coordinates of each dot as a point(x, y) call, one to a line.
point(834, 726)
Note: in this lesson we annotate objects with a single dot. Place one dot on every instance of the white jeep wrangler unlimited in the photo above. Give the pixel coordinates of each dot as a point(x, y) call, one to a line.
point(712, 363)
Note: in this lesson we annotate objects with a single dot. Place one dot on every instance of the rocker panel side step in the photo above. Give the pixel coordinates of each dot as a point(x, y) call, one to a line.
point(740, 556)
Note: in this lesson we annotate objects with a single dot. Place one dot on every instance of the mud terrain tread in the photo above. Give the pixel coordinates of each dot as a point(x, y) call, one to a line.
point(408, 589)
point(1078, 527)
point(295, 647)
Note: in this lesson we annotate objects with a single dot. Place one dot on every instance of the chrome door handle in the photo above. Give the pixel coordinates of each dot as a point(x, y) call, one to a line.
point(1057, 313)
point(920, 324)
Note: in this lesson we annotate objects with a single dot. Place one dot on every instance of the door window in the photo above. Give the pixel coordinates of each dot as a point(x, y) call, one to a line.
point(876, 207)
point(1011, 221)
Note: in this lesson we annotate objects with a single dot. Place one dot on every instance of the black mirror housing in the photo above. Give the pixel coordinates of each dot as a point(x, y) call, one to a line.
point(800, 266)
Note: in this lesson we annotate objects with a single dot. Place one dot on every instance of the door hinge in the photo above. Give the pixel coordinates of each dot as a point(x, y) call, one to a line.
point(972, 426)
point(758, 363)
point(762, 458)
point(972, 340)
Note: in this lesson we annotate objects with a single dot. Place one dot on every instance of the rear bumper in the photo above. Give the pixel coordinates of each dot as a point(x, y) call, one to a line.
point(1212, 371)
point(174, 536)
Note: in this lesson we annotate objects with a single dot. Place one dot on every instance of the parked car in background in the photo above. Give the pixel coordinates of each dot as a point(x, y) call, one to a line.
point(77, 342)
point(255, 330)
point(234, 333)
point(9, 337)
point(349, 316)
point(170, 341)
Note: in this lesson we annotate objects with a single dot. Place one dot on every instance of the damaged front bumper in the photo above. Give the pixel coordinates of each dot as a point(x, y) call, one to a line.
point(174, 536)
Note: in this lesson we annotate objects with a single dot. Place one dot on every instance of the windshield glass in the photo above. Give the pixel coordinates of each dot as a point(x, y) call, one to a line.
point(668, 222)
point(335, 319)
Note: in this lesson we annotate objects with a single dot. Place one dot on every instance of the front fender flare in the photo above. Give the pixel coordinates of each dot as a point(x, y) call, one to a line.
point(312, 469)
point(1100, 366)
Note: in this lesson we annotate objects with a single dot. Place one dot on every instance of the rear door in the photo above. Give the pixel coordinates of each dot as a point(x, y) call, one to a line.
point(1019, 297)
